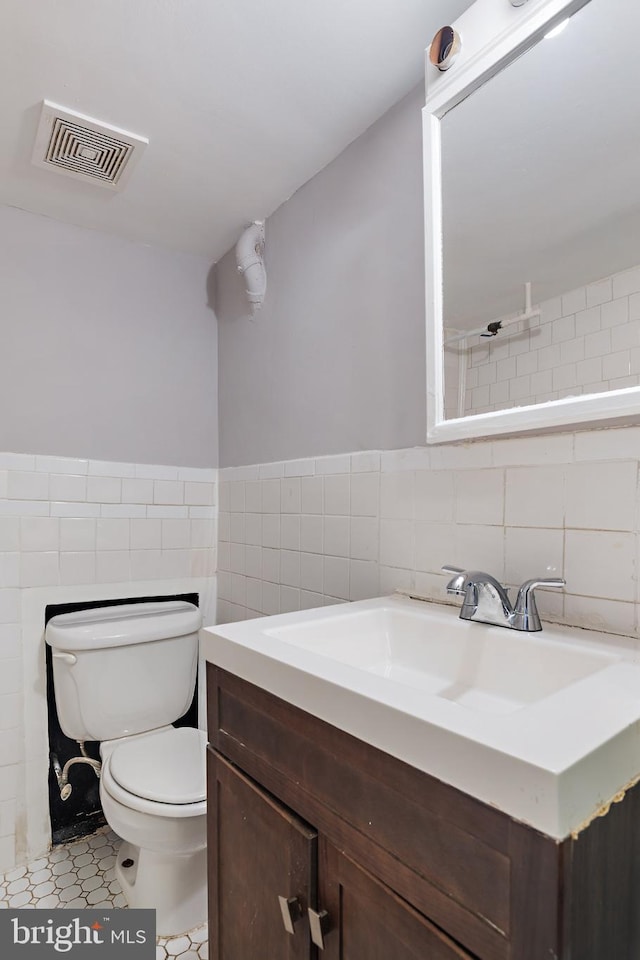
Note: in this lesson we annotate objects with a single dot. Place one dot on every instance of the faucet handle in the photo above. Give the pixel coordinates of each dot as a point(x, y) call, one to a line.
point(530, 585)
point(525, 611)
point(552, 582)
point(447, 568)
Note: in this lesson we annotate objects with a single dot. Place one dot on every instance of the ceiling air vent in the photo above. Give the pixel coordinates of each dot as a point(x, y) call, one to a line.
point(84, 148)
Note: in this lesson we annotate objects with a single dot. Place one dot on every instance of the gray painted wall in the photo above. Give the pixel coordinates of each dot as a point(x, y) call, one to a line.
point(108, 347)
point(334, 361)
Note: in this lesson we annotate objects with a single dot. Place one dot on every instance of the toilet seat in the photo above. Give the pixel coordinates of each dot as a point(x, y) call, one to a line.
point(163, 774)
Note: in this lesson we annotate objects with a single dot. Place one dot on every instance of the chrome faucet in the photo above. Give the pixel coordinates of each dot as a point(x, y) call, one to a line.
point(486, 600)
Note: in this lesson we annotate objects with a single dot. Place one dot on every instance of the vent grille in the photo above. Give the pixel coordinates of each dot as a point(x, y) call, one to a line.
point(84, 148)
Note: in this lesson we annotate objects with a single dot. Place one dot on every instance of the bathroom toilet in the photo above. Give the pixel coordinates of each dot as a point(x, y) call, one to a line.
point(122, 675)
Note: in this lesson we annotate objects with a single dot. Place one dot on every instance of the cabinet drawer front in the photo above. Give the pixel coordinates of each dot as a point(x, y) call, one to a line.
point(258, 852)
point(432, 829)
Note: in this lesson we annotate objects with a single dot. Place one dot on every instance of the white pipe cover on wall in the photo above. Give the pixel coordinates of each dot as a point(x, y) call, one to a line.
point(250, 260)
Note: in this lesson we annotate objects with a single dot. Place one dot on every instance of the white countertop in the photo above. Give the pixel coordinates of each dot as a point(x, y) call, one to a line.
point(553, 763)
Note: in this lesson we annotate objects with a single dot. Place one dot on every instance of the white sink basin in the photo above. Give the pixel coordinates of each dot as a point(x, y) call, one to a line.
point(492, 671)
point(544, 726)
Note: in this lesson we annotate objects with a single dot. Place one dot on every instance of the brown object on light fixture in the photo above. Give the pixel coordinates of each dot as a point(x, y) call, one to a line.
point(444, 48)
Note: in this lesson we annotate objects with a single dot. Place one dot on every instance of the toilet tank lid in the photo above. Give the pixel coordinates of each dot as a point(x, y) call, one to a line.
point(120, 625)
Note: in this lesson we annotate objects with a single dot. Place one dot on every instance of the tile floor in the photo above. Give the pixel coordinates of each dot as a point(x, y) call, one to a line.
point(81, 874)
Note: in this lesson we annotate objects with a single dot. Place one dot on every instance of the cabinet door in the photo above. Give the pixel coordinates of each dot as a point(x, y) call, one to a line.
point(258, 851)
point(368, 921)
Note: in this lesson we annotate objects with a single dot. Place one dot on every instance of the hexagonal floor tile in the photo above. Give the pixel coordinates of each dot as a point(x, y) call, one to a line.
point(81, 874)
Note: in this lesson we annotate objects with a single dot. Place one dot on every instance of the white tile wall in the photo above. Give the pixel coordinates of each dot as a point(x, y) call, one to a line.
point(587, 341)
point(306, 533)
point(364, 525)
point(74, 530)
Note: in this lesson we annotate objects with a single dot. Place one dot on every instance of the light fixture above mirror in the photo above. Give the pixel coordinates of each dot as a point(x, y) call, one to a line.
point(530, 157)
point(444, 48)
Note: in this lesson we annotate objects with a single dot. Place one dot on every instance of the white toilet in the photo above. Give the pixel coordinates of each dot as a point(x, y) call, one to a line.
point(122, 675)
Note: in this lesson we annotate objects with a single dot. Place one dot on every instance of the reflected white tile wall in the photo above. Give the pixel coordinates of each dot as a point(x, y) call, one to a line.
point(110, 530)
point(586, 341)
point(556, 505)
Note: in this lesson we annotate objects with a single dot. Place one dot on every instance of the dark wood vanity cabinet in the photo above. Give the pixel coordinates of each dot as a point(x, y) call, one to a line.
point(348, 847)
point(266, 861)
point(366, 919)
point(259, 851)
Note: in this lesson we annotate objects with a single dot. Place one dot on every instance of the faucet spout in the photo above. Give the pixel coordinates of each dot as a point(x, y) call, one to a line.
point(487, 601)
point(457, 584)
point(485, 598)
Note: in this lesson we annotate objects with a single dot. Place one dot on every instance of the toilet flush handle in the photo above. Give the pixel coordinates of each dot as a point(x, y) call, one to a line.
point(69, 658)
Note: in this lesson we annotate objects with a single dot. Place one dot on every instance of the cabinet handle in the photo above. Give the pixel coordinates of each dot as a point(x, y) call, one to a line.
point(319, 925)
point(291, 910)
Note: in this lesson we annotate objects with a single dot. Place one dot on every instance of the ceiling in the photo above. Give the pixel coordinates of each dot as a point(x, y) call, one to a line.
point(553, 193)
point(242, 101)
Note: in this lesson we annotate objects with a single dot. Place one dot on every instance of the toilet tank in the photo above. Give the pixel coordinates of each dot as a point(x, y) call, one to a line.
point(123, 670)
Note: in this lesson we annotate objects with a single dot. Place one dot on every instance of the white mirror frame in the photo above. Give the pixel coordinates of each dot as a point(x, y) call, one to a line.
point(493, 33)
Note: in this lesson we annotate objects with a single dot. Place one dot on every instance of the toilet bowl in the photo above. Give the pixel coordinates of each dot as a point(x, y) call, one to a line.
point(122, 676)
point(152, 790)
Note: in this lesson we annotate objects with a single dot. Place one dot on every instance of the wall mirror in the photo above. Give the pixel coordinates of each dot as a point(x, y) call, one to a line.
point(532, 184)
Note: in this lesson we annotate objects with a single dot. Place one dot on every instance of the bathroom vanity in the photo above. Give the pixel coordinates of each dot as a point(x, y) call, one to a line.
point(321, 840)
